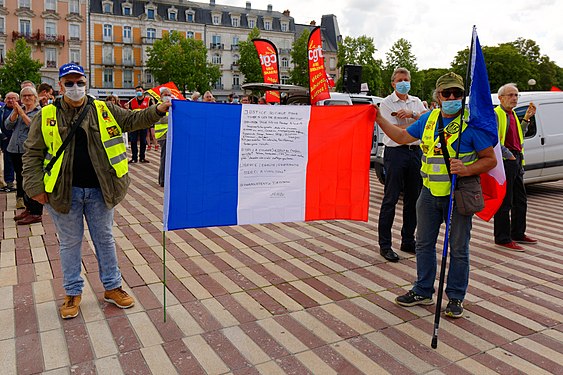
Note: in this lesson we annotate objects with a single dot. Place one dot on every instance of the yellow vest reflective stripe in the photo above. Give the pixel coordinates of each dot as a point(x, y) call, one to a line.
point(160, 129)
point(53, 141)
point(433, 170)
point(503, 126)
point(110, 134)
point(112, 139)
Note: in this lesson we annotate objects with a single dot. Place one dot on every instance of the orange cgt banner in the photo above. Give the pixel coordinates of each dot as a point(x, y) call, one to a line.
point(268, 54)
point(318, 84)
point(176, 94)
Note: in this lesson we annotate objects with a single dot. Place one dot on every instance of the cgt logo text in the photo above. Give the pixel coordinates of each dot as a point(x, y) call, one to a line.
point(316, 54)
point(268, 60)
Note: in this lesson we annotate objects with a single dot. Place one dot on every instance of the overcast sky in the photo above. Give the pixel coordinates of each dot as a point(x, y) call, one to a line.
point(436, 29)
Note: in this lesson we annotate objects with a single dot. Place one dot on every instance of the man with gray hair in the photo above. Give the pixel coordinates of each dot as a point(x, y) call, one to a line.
point(510, 219)
point(401, 165)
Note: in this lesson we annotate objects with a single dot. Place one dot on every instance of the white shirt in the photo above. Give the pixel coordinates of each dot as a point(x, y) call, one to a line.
point(393, 103)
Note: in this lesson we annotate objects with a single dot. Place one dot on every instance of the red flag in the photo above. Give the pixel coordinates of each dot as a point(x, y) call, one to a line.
point(176, 94)
point(555, 88)
point(268, 54)
point(318, 85)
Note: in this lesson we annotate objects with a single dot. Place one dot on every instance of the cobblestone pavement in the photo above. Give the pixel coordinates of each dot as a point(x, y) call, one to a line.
point(291, 298)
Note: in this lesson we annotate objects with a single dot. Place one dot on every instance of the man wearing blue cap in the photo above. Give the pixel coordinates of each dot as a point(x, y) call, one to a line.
point(84, 176)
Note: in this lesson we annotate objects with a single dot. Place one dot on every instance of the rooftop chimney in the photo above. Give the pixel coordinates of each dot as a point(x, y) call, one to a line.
point(269, 8)
point(286, 12)
point(248, 5)
point(313, 23)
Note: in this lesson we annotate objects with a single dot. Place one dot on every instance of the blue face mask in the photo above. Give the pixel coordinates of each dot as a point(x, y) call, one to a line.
point(451, 107)
point(139, 94)
point(403, 87)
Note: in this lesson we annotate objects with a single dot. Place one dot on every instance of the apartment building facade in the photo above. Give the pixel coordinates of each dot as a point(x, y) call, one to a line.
point(123, 30)
point(56, 30)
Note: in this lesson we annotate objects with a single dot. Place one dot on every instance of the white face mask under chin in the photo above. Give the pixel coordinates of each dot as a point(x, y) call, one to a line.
point(75, 93)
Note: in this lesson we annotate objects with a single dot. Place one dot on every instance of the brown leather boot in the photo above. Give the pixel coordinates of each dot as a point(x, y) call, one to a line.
point(30, 219)
point(24, 214)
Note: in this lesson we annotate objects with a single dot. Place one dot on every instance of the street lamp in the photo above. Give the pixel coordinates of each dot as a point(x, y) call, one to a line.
point(531, 83)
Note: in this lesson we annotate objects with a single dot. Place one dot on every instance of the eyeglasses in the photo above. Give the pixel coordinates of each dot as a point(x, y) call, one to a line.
point(511, 95)
point(458, 93)
point(69, 84)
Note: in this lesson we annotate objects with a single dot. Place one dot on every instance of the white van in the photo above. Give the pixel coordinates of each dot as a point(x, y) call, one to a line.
point(543, 142)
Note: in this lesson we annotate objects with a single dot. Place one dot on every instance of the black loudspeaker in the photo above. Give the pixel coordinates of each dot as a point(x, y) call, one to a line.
point(352, 78)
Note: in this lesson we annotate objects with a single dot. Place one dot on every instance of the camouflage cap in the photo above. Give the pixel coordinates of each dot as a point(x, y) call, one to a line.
point(449, 80)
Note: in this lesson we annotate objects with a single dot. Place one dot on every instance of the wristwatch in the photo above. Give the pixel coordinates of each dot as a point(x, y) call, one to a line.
point(414, 114)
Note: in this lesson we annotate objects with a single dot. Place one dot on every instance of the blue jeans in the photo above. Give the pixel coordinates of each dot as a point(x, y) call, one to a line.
point(431, 213)
point(8, 167)
point(89, 203)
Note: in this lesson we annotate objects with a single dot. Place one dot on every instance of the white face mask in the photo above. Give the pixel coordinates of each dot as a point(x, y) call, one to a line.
point(165, 99)
point(75, 93)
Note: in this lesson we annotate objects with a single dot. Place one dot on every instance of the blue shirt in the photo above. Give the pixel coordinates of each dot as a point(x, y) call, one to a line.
point(472, 139)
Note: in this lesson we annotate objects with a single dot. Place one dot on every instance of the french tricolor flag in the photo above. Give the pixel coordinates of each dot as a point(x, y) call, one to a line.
point(230, 164)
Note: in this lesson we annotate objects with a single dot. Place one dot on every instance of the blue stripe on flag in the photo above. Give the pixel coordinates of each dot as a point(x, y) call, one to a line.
point(201, 184)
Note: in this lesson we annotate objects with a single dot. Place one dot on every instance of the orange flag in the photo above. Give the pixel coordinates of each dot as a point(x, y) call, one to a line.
point(176, 94)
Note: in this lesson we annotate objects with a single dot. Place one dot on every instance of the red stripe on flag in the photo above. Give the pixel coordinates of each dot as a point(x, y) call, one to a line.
point(338, 168)
point(493, 193)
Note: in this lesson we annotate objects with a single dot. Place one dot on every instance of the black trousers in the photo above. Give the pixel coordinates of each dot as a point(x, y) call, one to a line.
point(138, 135)
point(162, 143)
point(510, 219)
point(402, 173)
point(34, 207)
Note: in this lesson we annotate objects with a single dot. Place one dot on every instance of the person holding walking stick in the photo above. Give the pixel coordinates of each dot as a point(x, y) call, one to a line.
point(476, 156)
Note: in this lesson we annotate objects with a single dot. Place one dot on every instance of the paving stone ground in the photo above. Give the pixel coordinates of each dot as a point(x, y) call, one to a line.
point(284, 298)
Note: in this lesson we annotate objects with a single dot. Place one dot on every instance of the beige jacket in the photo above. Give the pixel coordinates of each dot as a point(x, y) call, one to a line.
point(113, 188)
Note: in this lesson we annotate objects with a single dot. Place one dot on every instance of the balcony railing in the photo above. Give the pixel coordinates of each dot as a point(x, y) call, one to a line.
point(218, 86)
point(39, 37)
point(284, 50)
point(51, 64)
point(235, 66)
point(216, 46)
point(108, 61)
point(235, 47)
point(108, 38)
point(129, 62)
point(147, 40)
point(127, 40)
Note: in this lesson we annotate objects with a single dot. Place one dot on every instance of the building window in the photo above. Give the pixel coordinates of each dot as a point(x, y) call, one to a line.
point(190, 16)
point(127, 78)
point(285, 62)
point(216, 39)
point(148, 78)
point(2, 53)
point(172, 15)
point(216, 19)
point(50, 5)
point(107, 55)
point(235, 22)
point(51, 57)
point(126, 10)
point(236, 81)
point(190, 35)
point(75, 56)
point(284, 27)
point(234, 44)
point(252, 24)
point(127, 34)
point(218, 85)
point(25, 4)
point(107, 8)
point(216, 59)
point(332, 63)
point(236, 58)
point(2, 25)
point(127, 56)
point(25, 27)
point(108, 30)
point(267, 25)
point(285, 80)
point(150, 14)
point(74, 31)
point(151, 33)
point(74, 7)
point(50, 28)
point(108, 77)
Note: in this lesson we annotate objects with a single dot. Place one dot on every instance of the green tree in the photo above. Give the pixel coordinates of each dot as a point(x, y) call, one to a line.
point(360, 51)
point(18, 67)
point(401, 56)
point(183, 61)
point(427, 83)
point(528, 48)
point(299, 75)
point(249, 61)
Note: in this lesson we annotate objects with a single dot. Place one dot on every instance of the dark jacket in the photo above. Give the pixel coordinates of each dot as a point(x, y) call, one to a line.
point(113, 188)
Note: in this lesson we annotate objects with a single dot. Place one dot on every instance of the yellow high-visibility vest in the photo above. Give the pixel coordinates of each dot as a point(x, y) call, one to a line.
point(433, 170)
point(110, 134)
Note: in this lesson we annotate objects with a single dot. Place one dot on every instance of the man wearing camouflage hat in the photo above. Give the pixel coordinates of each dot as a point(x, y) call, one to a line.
point(476, 156)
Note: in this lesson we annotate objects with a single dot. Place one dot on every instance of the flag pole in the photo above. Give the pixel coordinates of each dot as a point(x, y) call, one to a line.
point(442, 276)
point(164, 273)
